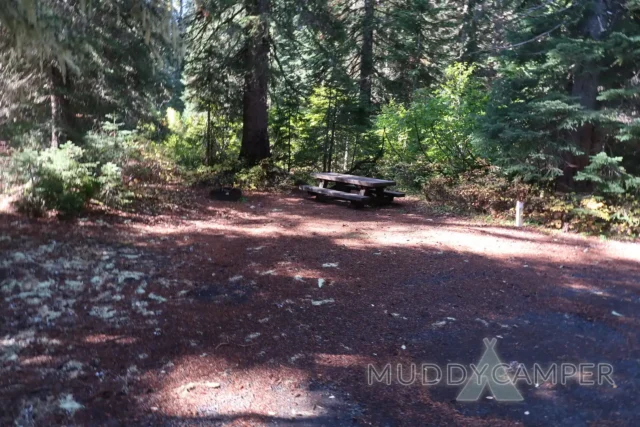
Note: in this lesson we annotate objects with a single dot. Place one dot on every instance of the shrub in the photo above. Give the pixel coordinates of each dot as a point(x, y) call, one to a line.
point(111, 191)
point(608, 176)
point(487, 191)
point(482, 190)
point(56, 179)
point(407, 175)
point(185, 151)
point(63, 179)
point(590, 214)
point(260, 177)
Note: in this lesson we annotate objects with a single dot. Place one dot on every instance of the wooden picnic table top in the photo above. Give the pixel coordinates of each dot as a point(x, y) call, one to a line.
point(362, 181)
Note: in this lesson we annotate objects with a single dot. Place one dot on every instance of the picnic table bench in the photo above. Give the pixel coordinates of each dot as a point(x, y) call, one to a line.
point(359, 190)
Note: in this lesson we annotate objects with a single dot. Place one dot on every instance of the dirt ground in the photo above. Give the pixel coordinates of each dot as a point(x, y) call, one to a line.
point(268, 312)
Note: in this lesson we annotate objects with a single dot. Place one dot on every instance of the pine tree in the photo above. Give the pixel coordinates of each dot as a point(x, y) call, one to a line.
point(559, 98)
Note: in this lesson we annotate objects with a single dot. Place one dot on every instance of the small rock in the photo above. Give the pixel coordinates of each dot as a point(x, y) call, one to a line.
point(157, 298)
point(252, 336)
point(484, 322)
point(68, 404)
point(323, 302)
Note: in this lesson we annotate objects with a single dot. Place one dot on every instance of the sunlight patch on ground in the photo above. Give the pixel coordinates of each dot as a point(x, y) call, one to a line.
point(264, 392)
point(342, 360)
point(103, 338)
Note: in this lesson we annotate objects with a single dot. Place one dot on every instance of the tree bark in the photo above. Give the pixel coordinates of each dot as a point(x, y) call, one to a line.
point(332, 140)
point(55, 117)
point(585, 89)
point(325, 145)
point(366, 59)
point(469, 33)
point(61, 115)
point(255, 124)
point(208, 146)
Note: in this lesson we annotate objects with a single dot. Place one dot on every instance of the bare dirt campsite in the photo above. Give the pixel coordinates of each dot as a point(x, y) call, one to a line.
point(268, 312)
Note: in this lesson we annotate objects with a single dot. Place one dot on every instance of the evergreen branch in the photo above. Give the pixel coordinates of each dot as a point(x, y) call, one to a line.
point(511, 46)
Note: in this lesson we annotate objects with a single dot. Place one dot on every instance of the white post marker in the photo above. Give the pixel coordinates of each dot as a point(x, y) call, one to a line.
point(519, 209)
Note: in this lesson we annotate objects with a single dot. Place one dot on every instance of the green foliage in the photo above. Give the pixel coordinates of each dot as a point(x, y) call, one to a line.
point(523, 127)
point(260, 177)
point(566, 91)
point(110, 143)
point(197, 138)
point(608, 175)
point(437, 127)
point(56, 179)
point(410, 176)
point(489, 191)
point(109, 181)
point(66, 178)
point(185, 142)
point(484, 190)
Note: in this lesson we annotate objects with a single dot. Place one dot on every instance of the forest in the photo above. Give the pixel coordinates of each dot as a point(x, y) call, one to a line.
point(319, 213)
point(472, 104)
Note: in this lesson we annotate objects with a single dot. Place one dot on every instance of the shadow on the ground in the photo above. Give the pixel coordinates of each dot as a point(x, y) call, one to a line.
point(241, 270)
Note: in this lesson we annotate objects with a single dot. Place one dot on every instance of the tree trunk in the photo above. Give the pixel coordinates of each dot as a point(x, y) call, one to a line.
point(366, 60)
point(55, 118)
point(332, 140)
point(585, 89)
point(469, 33)
point(61, 116)
point(345, 160)
point(208, 146)
point(255, 132)
point(289, 143)
point(325, 145)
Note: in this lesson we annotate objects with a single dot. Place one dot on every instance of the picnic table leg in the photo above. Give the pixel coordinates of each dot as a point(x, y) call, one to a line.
point(380, 198)
point(320, 197)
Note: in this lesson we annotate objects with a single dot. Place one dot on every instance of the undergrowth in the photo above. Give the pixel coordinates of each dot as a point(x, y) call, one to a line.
point(487, 192)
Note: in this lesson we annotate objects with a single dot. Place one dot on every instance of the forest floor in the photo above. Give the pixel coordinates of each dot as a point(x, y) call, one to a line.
point(268, 312)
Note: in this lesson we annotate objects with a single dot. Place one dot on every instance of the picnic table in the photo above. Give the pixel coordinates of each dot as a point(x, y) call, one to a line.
point(359, 190)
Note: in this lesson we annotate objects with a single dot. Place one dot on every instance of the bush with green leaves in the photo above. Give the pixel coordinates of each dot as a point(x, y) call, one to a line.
point(436, 129)
point(64, 179)
point(409, 176)
point(56, 178)
point(185, 144)
point(608, 176)
point(489, 191)
point(110, 143)
point(260, 177)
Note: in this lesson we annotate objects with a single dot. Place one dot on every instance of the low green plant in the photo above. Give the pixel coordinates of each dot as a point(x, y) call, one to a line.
point(260, 177)
point(111, 190)
point(56, 179)
point(488, 192)
point(435, 130)
point(409, 176)
point(608, 176)
point(65, 179)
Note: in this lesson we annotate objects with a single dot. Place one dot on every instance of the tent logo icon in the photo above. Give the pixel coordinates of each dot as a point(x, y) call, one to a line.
point(492, 373)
